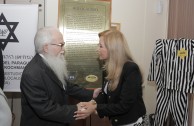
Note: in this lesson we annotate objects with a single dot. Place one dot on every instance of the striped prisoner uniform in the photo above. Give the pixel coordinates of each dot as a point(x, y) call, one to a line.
point(172, 67)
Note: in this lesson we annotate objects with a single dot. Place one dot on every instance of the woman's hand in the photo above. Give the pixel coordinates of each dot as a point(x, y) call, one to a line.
point(96, 92)
point(85, 111)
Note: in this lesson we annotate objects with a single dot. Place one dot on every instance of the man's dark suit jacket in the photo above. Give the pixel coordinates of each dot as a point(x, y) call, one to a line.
point(1, 70)
point(125, 104)
point(43, 96)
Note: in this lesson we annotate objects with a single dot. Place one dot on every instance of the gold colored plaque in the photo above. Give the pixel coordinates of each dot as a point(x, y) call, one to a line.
point(80, 22)
point(91, 78)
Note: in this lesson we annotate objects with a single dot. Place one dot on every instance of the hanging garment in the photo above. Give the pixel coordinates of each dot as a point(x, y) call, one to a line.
point(173, 102)
point(172, 64)
point(172, 68)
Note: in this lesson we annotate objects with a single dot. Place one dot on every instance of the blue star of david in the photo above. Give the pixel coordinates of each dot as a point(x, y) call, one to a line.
point(10, 27)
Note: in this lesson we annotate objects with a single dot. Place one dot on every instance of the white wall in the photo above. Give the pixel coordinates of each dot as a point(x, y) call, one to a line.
point(51, 13)
point(155, 28)
point(141, 26)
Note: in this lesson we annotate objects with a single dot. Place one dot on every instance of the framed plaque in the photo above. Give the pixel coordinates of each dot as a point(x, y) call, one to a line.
point(80, 22)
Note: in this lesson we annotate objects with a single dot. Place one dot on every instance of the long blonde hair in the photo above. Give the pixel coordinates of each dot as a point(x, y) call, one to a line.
point(118, 51)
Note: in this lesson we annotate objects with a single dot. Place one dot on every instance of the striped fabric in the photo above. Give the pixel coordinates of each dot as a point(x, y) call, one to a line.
point(172, 68)
point(174, 103)
point(172, 64)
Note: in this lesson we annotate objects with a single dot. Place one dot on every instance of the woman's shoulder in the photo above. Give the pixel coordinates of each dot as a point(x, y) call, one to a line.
point(130, 64)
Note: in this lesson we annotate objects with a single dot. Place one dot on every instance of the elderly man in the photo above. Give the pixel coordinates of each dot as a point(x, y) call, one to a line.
point(44, 87)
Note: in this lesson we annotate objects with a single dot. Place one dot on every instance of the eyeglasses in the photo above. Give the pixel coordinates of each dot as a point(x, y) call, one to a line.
point(60, 44)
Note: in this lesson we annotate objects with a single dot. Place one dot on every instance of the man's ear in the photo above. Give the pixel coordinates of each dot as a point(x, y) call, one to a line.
point(45, 48)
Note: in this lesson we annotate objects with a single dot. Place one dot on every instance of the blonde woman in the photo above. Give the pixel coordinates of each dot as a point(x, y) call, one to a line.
point(121, 98)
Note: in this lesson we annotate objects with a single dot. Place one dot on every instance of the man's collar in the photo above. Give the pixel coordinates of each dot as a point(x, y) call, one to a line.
point(42, 56)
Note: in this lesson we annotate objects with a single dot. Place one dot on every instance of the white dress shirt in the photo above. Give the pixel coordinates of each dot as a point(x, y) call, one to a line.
point(5, 111)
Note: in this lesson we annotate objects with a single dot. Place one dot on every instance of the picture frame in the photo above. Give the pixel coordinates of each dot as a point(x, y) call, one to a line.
point(115, 26)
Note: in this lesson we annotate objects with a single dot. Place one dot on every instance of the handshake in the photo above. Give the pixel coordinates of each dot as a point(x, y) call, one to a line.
point(85, 109)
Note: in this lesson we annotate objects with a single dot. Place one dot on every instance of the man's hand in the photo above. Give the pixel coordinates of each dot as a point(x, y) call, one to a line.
point(80, 107)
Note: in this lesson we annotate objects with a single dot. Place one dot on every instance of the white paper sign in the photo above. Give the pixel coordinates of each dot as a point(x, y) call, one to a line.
point(18, 25)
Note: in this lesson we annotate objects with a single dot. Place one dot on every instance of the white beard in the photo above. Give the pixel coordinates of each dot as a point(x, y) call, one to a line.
point(58, 65)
